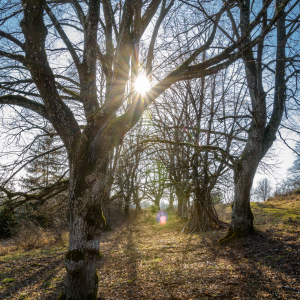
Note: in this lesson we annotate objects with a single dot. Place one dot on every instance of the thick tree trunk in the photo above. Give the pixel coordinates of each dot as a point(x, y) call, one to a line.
point(261, 137)
point(179, 205)
point(171, 201)
point(242, 217)
point(87, 189)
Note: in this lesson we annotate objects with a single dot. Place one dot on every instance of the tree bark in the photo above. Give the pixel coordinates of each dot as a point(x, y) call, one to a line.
point(181, 203)
point(203, 216)
point(157, 201)
point(88, 149)
point(242, 216)
point(87, 191)
point(138, 206)
point(127, 205)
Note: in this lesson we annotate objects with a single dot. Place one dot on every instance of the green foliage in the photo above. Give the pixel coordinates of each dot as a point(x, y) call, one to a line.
point(154, 209)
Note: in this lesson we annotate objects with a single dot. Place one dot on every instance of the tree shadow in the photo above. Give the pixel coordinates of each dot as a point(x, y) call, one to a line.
point(44, 273)
point(170, 265)
point(267, 265)
point(124, 242)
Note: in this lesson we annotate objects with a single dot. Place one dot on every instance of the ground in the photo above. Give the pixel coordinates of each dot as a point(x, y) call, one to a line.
point(144, 260)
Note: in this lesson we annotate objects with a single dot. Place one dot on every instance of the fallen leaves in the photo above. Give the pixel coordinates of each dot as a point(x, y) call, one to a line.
point(144, 260)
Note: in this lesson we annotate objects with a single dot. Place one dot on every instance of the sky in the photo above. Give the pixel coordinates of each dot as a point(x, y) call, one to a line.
point(281, 158)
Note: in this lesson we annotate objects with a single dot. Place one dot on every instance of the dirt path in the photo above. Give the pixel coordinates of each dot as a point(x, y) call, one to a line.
point(144, 260)
point(147, 261)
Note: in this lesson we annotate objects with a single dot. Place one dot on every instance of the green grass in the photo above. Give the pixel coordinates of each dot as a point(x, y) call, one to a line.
point(21, 254)
point(278, 209)
point(8, 280)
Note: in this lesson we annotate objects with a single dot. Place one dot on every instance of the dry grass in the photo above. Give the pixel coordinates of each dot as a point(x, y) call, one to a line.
point(143, 260)
point(7, 247)
point(30, 236)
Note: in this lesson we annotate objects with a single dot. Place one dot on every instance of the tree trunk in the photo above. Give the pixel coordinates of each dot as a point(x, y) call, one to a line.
point(261, 137)
point(138, 206)
point(242, 217)
point(182, 203)
point(184, 210)
point(171, 201)
point(179, 205)
point(157, 202)
point(127, 205)
point(87, 188)
point(203, 215)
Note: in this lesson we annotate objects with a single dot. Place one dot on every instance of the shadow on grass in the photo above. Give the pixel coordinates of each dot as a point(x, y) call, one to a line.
point(266, 266)
point(43, 275)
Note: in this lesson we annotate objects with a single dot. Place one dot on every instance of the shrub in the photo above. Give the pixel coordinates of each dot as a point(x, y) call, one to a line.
point(8, 223)
point(154, 209)
point(31, 235)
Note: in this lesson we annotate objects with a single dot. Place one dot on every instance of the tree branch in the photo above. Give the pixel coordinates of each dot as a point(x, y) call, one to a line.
point(12, 38)
point(17, 57)
point(63, 36)
point(35, 33)
point(26, 103)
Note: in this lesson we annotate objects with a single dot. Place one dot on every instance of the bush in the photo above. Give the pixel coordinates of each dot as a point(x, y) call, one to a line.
point(8, 223)
point(154, 209)
point(31, 235)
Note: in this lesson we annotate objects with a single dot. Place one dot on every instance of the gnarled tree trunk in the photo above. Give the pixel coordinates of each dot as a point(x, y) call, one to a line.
point(203, 215)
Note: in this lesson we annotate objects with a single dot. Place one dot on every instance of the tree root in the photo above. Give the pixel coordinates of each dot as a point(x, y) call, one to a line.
point(232, 235)
point(62, 296)
point(227, 238)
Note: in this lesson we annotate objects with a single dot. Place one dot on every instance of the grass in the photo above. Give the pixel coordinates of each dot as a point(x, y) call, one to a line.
point(8, 280)
point(144, 260)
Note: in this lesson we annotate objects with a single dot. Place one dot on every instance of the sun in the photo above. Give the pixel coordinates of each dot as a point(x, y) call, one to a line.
point(142, 84)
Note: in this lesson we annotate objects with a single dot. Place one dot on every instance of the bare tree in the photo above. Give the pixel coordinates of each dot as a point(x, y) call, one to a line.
point(91, 123)
point(266, 109)
point(156, 182)
point(263, 189)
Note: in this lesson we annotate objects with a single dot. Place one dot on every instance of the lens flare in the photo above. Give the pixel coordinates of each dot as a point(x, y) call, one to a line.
point(142, 84)
point(162, 217)
point(163, 220)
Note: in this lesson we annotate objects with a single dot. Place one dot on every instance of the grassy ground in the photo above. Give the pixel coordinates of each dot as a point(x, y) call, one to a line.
point(144, 260)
